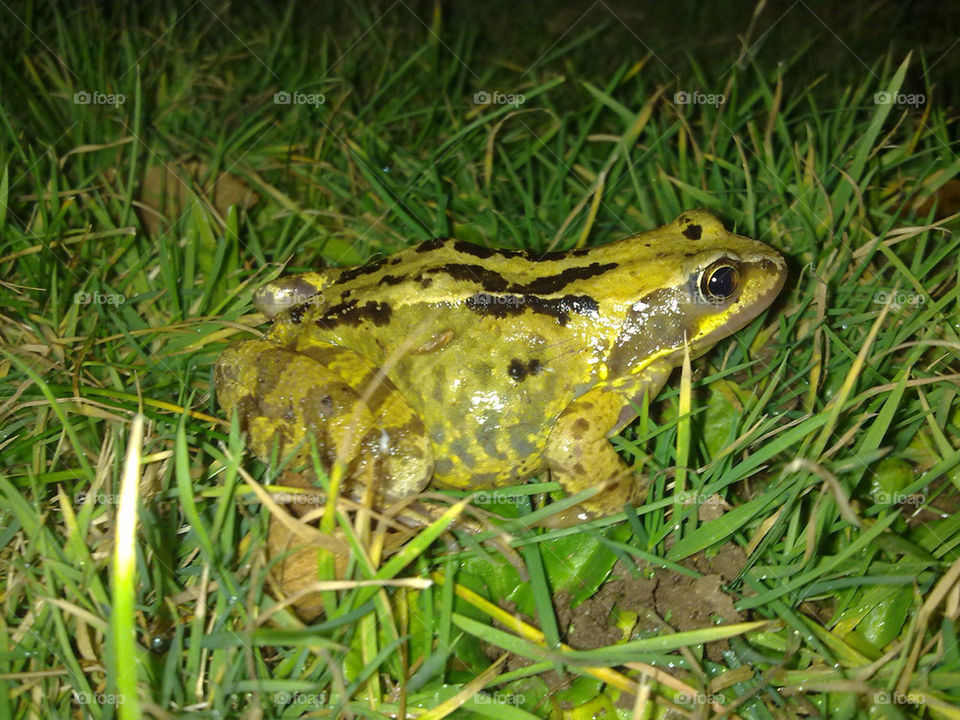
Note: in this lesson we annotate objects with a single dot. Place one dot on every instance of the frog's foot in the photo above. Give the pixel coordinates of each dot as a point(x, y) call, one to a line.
point(580, 456)
point(615, 492)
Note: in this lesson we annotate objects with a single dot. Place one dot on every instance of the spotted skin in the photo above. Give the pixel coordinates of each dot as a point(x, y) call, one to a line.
point(469, 367)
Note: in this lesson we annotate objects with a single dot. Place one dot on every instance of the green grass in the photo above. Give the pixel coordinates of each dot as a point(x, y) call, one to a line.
point(823, 444)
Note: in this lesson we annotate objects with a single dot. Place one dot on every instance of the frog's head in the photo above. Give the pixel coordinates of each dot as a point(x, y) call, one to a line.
point(696, 283)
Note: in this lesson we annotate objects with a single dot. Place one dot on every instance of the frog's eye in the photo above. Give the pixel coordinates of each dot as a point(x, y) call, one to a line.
point(720, 281)
point(276, 296)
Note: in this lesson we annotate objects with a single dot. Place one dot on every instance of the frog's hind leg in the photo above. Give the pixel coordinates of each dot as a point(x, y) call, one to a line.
point(579, 453)
point(398, 437)
point(282, 395)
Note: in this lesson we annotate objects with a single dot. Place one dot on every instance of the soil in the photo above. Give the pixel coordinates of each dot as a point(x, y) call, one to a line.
point(663, 601)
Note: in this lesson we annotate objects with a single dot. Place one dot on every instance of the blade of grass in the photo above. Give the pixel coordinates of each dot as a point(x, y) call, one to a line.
point(125, 579)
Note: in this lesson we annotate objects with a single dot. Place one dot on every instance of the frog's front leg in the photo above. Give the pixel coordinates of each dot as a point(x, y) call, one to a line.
point(580, 456)
point(357, 416)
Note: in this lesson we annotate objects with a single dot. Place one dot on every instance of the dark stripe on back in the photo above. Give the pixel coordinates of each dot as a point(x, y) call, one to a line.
point(492, 281)
point(555, 283)
point(352, 314)
point(353, 273)
point(508, 305)
point(489, 280)
point(429, 245)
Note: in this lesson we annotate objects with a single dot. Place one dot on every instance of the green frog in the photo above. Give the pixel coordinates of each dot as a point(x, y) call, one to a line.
point(467, 367)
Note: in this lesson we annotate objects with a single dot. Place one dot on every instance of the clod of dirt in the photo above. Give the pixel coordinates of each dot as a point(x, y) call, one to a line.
point(165, 193)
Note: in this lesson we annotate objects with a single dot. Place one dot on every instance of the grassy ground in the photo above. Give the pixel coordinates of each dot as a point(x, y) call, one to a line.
point(798, 553)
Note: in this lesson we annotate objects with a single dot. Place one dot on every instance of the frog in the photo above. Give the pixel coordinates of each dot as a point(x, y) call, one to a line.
point(458, 366)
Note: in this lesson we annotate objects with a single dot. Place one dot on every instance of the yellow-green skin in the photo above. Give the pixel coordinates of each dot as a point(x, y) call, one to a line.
point(474, 368)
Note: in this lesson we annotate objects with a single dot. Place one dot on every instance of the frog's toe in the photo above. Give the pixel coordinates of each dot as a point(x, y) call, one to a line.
point(405, 456)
